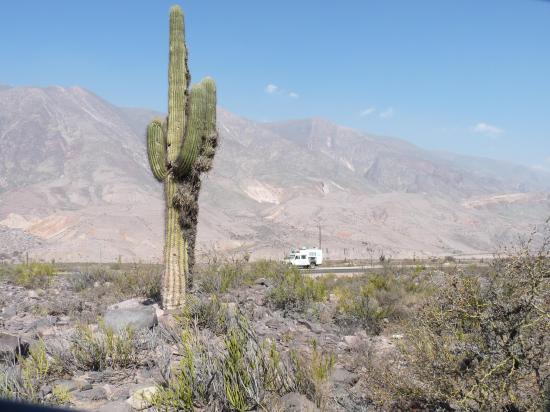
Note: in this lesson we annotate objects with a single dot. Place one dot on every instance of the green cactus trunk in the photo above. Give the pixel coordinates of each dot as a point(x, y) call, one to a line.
point(179, 151)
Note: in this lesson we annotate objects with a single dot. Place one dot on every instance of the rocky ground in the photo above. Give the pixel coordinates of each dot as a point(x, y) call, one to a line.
point(13, 242)
point(60, 313)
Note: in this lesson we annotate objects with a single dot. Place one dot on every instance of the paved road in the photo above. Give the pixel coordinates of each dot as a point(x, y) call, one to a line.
point(341, 269)
point(354, 270)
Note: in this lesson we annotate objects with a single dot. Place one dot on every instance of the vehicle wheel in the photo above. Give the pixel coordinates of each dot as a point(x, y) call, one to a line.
point(311, 265)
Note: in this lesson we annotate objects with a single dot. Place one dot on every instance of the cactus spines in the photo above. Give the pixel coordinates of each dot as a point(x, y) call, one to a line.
point(179, 151)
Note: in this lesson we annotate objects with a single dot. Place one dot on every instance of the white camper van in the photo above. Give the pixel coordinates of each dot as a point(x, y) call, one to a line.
point(305, 257)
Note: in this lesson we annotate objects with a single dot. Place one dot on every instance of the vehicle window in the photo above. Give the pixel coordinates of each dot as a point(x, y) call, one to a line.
point(303, 256)
point(297, 257)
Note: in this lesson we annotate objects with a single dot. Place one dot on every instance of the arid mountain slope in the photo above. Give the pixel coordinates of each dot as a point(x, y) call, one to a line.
point(74, 180)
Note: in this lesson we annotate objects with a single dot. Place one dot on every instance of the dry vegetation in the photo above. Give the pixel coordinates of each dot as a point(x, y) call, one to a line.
point(465, 339)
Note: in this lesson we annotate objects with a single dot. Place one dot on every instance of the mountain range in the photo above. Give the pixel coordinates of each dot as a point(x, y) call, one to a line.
point(75, 185)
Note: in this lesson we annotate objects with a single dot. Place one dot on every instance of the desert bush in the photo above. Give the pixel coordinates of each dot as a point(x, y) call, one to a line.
point(222, 273)
point(481, 343)
point(22, 381)
point(372, 300)
point(7, 271)
point(141, 280)
point(135, 281)
point(312, 373)
point(293, 291)
point(34, 275)
point(234, 374)
point(221, 276)
point(210, 313)
point(96, 350)
point(60, 395)
point(87, 278)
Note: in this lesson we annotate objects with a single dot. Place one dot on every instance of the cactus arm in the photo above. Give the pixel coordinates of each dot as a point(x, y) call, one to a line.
point(178, 80)
point(156, 150)
point(201, 123)
point(210, 136)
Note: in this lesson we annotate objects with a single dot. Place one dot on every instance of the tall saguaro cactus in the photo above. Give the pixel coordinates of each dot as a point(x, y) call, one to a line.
point(180, 149)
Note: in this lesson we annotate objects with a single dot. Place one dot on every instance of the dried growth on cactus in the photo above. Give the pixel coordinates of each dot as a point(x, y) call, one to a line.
point(180, 149)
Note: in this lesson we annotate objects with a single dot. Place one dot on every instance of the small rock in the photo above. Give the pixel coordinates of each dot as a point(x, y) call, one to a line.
point(352, 341)
point(262, 282)
point(260, 313)
point(342, 376)
point(296, 402)
point(272, 323)
point(142, 398)
point(86, 387)
point(42, 323)
point(116, 406)
point(158, 311)
point(9, 311)
point(94, 394)
point(96, 376)
point(97, 284)
point(45, 390)
point(32, 294)
point(67, 385)
point(397, 336)
point(311, 326)
point(63, 320)
point(232, 309)
point(11, 346)
point(45, 332)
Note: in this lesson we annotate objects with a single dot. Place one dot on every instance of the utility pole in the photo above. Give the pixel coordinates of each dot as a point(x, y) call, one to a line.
point(320, 237)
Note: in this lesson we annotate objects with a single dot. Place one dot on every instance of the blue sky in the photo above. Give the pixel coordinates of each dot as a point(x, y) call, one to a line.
point(467, 76)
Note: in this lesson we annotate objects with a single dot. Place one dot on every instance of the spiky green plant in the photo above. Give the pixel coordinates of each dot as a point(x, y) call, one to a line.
point(180, 149)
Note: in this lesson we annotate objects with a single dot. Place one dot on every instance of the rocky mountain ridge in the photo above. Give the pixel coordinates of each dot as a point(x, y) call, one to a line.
point(74, 180)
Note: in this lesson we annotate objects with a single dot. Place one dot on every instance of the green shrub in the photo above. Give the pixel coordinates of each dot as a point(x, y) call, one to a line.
point(97, 350)
point(370, 303)
point(34, 275)
point(23, 381)
point(141, 280)
point(312, 373)
point(134, 281)
point(295, 291)
point(210, 313)
point(220, 277)
point(236, 376)
point(372, 300)
point(60, 395)
point(223, 274)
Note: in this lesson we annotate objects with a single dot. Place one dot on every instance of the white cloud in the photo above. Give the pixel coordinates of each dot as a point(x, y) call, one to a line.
point(274, 89)
point(367, 112)
point(386, 114)
point(487, 129)
point(271, 88)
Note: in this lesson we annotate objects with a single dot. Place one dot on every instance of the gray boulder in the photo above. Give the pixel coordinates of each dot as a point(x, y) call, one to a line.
point(12, 346)
point(134, 313)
